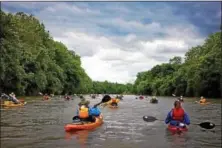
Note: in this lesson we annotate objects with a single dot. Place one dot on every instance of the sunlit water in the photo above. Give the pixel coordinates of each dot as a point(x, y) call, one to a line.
point(40, 124)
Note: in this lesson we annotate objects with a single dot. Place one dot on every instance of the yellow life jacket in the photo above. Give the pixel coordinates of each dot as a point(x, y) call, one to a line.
point(83, 112)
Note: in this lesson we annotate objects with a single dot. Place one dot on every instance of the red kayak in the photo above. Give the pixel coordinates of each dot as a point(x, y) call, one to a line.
point(177, 128)
point(141, 97)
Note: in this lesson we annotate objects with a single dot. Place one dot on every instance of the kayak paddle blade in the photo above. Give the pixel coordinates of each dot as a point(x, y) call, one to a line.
point(207, 125)
point(106, 98)
point(149, 118)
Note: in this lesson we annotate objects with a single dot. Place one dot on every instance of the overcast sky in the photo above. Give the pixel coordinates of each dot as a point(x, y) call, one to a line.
point(116, 40)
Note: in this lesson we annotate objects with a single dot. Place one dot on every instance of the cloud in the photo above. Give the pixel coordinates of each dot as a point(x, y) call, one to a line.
point(116, 40)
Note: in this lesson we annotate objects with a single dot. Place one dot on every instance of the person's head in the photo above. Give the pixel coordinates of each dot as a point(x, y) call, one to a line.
point(87, 102)
point(12, 94)
point(177, 104)
point(201, 97)
point(82, 106)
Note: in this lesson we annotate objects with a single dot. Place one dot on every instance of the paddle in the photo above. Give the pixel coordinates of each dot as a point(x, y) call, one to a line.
point(105, 99)
point(206, 125)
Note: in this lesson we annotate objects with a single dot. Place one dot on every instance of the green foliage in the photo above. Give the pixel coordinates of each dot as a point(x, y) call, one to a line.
point(31, 62)
point(200, 74)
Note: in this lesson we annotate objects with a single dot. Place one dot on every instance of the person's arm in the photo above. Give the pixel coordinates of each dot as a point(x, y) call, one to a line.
point(77, 111)
point(168, 118)
point(186, 119)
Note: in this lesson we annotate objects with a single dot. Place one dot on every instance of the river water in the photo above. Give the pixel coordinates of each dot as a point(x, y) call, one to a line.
point(40, 124)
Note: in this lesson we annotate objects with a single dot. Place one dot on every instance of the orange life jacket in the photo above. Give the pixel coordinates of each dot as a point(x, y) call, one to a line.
point(114, 100)
point(83, 112)
point(178, 114)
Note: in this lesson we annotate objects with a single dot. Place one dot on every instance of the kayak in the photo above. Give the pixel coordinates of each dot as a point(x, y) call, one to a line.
point(203, 103)
point(84, 126)
point(11, 104)
point(141, 97)
point(109, 102)
point(177, 128)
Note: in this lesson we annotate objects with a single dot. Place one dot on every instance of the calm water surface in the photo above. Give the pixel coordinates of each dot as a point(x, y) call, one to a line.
point(40, 124)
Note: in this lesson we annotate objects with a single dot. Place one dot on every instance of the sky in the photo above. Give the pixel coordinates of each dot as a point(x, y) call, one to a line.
point(116, 40)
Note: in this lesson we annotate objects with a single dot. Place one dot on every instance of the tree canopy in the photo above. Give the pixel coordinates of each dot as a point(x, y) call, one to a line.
point(199, 75)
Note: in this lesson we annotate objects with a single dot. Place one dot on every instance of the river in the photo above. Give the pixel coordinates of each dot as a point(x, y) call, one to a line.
point(40, 124)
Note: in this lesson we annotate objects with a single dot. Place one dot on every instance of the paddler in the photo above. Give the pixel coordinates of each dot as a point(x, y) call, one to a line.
point(154, 98)
point(86, 113)
point(177, 116)
point(46, 97)
point(180, 99)
point(202, 100)
point(14, 99)
point(114, 102)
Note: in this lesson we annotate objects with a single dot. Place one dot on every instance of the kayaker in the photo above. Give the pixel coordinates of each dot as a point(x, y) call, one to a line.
point(202, 100)
point(66, 97)
point(154, 98)
point(177, 116)
point(84, 102)
point(14, 99)
point(86, 113)
point(180, 99)
point(114, 102)
point(46, 97)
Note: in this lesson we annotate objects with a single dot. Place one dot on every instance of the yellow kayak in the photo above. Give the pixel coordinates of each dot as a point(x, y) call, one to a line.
point(109, 102)
point(11, 104)
point(203, 103)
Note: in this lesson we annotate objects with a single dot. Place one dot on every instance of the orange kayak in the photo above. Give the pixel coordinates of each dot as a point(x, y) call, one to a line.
point(84, 126)
point(203, 103)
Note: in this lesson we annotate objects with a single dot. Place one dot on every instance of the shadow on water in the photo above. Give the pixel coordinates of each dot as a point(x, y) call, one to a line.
point(40, 124)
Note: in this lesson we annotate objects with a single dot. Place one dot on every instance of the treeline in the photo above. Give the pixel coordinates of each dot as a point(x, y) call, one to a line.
point(199, 75)
point(31, 62)
point(111, 88)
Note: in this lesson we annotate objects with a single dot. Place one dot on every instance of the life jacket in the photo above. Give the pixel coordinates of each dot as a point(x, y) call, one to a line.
point(83, 112)
point(114, 100)
point(178, 114)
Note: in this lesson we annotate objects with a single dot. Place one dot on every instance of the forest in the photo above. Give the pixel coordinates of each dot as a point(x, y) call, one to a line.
point(32, 62)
